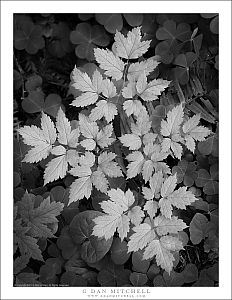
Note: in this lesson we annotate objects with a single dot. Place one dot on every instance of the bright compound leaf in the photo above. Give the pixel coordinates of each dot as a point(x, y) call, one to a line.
point(112, 64)
point(193, 132)
point(40, 139)
point(130, 47)
point(162, 249)
point(117, 215)
point(91, 88)
point(179, 198)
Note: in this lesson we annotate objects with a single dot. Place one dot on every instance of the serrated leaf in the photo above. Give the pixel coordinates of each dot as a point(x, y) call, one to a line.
point(129, 91)
point(193, 132)
point(64, 128)
point(39, 218)
point(41, 139)
point(88, 129)
point(146, 66)
point(80, 188)
point(130, 47)
point(132, 141)
point(136, 215)
point(132, 107)
point(55, 169)
point(112, 64)
point(108, 166)
point(104, 138)
point(150, 91)
point(114, 217)
point(90, 88)
point(164, 225)
point(136, 163)
point(27, 244)
point(151, 207)
point(147, 170)
point(161, 249)
point(100, 181)
point(173, 122)
point(143, 235)
point(179, 198)
point(104, 109)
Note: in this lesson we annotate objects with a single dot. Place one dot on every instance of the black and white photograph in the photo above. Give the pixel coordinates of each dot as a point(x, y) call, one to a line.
point(116, 151)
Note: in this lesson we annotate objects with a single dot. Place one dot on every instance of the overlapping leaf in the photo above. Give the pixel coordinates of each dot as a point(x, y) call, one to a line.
point(40, 139)
point(39, 218)
point(118, 214)
point(170, 197)
point(193, 132)
point(170, 129)
point(131, 47)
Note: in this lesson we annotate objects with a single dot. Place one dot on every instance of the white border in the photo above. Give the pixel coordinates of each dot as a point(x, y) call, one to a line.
point(8, 8)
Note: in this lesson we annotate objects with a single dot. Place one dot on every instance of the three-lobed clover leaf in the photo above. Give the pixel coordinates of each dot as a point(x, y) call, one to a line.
point(87, 38)
point(29, 37)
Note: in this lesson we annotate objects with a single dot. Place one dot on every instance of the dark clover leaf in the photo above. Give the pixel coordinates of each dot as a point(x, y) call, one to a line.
point(211, 244)
point(85, 17)
point(71, 279)
point(159, 281)
point(190, 273)
point(33, 83)
point(171, 35)
point(183, 237)
point(111, 22)
point(35, 102)
point(113, 275)
point(198, 228)
point(91, 278)
point(66, 244)
point(42, 243)
point(153, 271)
point(134, 19)
point(76, 264)
point(149, 27)
point(87, 38)
point(54, 251)
point(138, 279)
point(208, 180)
point(183, 62)
point(59, 194)
point(204, 279)
point(214, 24)
point(119, 251)
point(209, 146)
point(186, 172)
point(81, 228)
point(174, 279)
point(139, 264)
point(60, 43)
point(29, 37)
